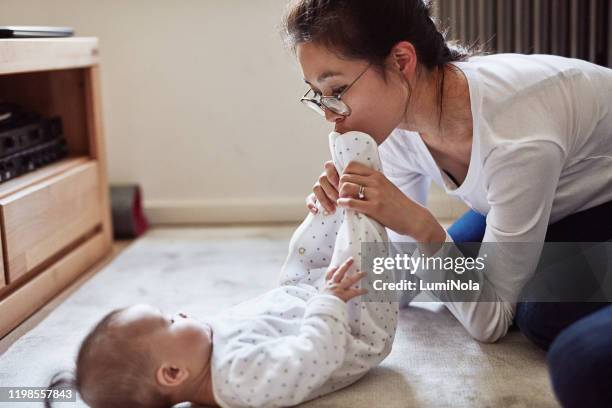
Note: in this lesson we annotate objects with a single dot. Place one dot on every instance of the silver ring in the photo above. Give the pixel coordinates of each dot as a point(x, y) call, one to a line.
point(361, 193)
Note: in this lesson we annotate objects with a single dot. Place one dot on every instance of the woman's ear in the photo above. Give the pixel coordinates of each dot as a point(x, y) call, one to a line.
point(170, 375)
point(403, 58)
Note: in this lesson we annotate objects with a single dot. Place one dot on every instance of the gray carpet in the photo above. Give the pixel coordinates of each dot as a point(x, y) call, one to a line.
point(434, 363)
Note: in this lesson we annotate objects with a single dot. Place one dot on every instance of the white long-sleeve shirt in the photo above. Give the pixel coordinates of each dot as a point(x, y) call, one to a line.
point(279, 348)
point(541, 150)
point(293, 344)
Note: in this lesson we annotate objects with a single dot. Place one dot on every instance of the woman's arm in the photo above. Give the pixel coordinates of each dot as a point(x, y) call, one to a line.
point(387, 204)
point(521, 180)
point(521, 183)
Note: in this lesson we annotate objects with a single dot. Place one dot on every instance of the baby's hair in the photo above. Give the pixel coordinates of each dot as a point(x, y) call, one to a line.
point(112, 370)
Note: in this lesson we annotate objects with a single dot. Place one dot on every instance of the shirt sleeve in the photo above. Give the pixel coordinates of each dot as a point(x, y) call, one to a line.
point(285, 370)
point(521, 181)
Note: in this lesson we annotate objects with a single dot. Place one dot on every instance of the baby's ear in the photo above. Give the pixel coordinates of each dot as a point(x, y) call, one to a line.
point(170, 375)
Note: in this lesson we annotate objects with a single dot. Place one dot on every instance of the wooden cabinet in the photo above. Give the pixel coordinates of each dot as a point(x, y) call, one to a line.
point(41, 220)
point(54, 221)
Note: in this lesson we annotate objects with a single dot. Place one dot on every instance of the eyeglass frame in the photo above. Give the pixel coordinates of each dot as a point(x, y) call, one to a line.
point(321, 98)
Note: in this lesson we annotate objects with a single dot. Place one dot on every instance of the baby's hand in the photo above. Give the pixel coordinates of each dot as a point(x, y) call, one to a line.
point(339, 284)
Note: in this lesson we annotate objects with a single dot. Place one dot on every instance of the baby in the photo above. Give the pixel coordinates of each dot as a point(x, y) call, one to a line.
point(310, 336)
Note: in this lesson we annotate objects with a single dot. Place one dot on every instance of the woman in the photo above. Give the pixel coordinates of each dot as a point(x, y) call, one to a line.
point(524, 140)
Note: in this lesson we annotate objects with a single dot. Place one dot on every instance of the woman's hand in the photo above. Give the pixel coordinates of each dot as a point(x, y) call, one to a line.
point(385, 203)
point(339, 284)
point(325, 190)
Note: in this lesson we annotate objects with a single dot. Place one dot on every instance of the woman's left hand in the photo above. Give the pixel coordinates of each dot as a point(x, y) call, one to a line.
point(385, 203)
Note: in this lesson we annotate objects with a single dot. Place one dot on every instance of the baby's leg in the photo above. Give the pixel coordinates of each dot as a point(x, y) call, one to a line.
point(311, 248)
point(372, 317)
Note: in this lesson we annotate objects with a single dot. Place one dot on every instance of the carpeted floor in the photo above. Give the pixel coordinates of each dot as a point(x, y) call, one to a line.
point(434, 363)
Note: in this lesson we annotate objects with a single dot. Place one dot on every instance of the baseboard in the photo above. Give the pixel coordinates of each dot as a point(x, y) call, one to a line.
point(223, 211)
point(233, 211)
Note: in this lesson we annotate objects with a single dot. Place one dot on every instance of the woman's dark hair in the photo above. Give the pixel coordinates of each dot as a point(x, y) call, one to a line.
point(111, 371)
point(368, 30)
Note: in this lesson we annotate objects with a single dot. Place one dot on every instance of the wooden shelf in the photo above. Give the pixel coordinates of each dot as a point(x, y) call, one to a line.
point(55, 221)
point(44, 54)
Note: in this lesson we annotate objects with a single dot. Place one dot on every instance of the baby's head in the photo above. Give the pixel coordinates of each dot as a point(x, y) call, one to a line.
point(139, 357)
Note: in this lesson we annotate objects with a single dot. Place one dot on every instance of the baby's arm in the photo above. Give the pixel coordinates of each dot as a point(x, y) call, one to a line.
point(286, 370)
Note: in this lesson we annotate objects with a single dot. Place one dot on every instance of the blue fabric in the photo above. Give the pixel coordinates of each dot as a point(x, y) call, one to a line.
point(580, 362)
point(542, 322)
point(470, 227)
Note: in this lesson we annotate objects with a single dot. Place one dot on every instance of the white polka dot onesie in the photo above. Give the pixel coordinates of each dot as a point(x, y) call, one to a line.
point(293, 344)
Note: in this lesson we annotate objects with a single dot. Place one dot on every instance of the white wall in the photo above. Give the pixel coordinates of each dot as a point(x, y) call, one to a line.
point(200, 105)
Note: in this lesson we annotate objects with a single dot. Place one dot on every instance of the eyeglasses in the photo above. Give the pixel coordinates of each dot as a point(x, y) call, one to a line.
point(334, 103)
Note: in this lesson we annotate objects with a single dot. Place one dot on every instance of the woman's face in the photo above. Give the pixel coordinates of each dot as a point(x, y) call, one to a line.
point(377, 107)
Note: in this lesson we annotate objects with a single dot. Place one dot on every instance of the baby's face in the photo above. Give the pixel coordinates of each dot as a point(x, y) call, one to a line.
point(173, 338)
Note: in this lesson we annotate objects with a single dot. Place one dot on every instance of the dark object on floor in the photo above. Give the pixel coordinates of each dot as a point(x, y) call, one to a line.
point(129, 220)
point(35, 32)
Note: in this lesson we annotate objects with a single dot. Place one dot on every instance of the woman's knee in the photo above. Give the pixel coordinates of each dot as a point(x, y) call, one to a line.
point(531, 319)
point(542, 322)
point(580, 362)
